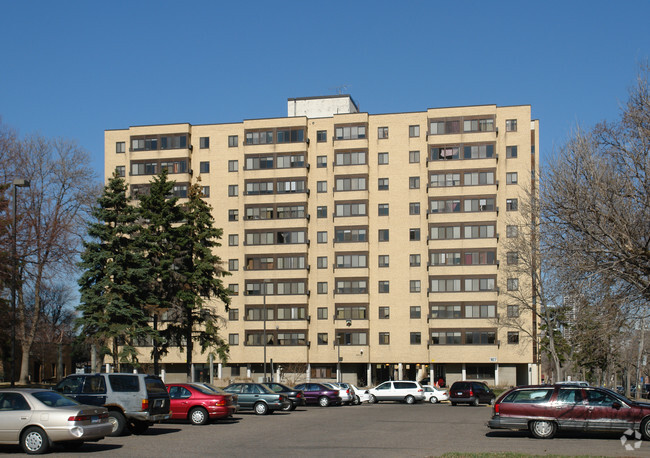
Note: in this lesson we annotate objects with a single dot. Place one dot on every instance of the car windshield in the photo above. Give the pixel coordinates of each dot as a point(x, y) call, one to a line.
point(54, 399)
point(619, 396)
point(207, 389)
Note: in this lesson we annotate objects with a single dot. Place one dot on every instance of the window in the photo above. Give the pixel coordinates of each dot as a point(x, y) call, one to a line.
point(446, 338)
point(321, 212)
point(349, 132)
point(382, 158)
point(442, 285)
point(290, 135)
point(205, 191)
point(414, 208)
point(415, 312)
point(441, 180)
point(480, 311)
point(321, 287)
point(322, 338)
point(233, 140)
point(383, 235)
point(321, 136)
point(512, 231)
point(321, 313)
point(321, 262)
point(384, 260)
point(513, 338)
point(445, 232)
point(233, 314)
point(444, 153)
point(233, 190)
point(479, 205)
point(233, 240)
point(478, 178)
point(511, 151)
point(414, 157)
point(382, 210)
point(351, 209)
point(321, 237)
point(233, 166)
point(382, 132)
point(511, 178)
point(144, 168)
point(351, 184)
point(414, 260)
point(343, 235)
point(513, 311)
point(446, 311)
point(483, 231)
point(478, 125)
point(512, 204)
point(415, 287)
point(346, 261)
point(204, 167)
point(321, 186)
point(513, 284)
point(416, 338)
point(234, 289)
point(120, 147)
point(384, 338)
point(351, 158)
point(233, 265)
point(204, 142)
point(321, 161)
point(513, 258)
point(445, 206)
point(120, 170)
point(384, 313)
point(384, 286)
point(442, 126)
point(414, 131)
point(349, 312)
point(511, 125)
point(414, 234)
point(445, 259)
point(479, 284)
point(233, 339)
point(179, 190)
point(382, 184)
point(233, 215)
point(414, 182)
point(480, 338)
point(478, 151)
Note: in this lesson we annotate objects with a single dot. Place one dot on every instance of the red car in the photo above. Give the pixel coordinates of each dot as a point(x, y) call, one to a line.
point(546, 409)
point(199, 404)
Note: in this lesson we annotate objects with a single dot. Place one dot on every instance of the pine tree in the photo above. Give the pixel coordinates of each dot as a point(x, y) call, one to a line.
point(113, 299)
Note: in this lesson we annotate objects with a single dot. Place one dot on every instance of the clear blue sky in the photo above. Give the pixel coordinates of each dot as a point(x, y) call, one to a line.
point(76, 68)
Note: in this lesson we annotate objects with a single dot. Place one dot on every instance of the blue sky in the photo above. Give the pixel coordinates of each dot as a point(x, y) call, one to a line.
point(75, 68)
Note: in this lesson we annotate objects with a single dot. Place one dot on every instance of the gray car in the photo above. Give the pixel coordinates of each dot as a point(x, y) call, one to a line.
point(37, 418)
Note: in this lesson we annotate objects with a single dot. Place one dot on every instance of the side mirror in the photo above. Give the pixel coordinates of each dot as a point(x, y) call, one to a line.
point(616, 405)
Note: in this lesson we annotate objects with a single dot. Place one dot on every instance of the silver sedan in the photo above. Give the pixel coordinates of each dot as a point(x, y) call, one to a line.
point(37, 418)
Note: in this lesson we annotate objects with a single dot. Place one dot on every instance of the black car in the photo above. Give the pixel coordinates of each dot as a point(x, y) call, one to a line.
point(472, 393)
point(296, 397)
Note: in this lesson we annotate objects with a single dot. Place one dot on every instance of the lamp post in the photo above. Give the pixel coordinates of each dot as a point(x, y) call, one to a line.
point(18, 183)
point(264, 284)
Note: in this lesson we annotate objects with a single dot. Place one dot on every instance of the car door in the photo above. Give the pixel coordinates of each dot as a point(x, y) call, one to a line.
point(384, 392)
point(93, 391)
point(607, 413)
point(70, 386)
point(179, 398)
point(570, 409)
point(15, 413)
point(237, 389)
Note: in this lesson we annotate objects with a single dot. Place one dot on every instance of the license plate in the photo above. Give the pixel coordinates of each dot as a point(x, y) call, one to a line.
point(459, 394)
point(159, 403)
point(94, 419)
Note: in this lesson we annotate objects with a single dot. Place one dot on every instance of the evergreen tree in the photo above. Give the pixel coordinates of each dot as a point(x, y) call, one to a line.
point(112, 296)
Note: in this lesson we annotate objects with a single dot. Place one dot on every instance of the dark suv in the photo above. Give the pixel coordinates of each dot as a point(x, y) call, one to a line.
point(133, 400)
point(472, 393)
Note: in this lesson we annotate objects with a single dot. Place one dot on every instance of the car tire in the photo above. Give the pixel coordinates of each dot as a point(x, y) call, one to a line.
point(372, 399)
point(645, 429)
point(542, 429)
point(357, 400)
point(261, 408)
point(34, 441)
point(198, 416)
point(323, 401)
point(433, 400)
point(117, 420)
point(138, 427)
point(475, 402)
point(289, 407)
point(409, 399)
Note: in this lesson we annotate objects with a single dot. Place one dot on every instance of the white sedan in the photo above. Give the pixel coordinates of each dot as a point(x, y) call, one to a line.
point(362, 395)
point(434, 395)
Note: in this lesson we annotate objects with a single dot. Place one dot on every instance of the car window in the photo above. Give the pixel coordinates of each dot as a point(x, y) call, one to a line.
point(404, 386)
point(154, 385)
point(315, 387)
point(384, 386)
point(460, 386)
point(233, 388)
point(535, 396)
point(94, 384)
point(599, 398)
point(13, 401)
point(175, 392)
point(70, 385)
point(54, 399)
point(124, 383)
point(569, 396)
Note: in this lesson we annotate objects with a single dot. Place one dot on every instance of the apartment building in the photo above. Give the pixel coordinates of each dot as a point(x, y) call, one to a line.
point(362, 246)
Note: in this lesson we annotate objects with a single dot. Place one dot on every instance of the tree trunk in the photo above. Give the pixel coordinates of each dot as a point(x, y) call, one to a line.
point(190, 348)
point(59, 362)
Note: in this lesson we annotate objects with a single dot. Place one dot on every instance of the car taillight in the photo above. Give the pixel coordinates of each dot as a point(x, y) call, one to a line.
point(299, 395)
point(221, 402)
point(496, 409)
point(471, 393)
point(347, 391)
point(79, 418)
point(420, 390)
point(145, 404)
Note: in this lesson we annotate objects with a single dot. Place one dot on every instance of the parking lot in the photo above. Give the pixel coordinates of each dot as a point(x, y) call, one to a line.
point(379, 430)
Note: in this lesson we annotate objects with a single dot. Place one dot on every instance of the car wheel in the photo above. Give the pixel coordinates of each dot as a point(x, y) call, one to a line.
point(117, 421)
point(475, 402)
point(357, 400)
point(34, 441)
point(372, 399)
point(323, 401)
point(433, 399)
point(542, 429)
point(138, 427)
point(409, 399)
point(199, 416)
point(645, 428)
point(261, 408)
point(289, 407)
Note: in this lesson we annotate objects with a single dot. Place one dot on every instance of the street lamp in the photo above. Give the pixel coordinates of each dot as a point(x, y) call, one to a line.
point(18, 183)
point(264, 284)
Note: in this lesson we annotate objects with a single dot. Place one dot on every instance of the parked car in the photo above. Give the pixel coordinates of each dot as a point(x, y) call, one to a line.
point(472, 393)
point(546, 409)
point(199, 404)
point(406, 391)
point(434, 395)
point(257, 397)
point(135, 401)
point(352, 392)
point(317, 393)
point(37, 418)
point(296, 397)
point(361, 395)
point(347, 395)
